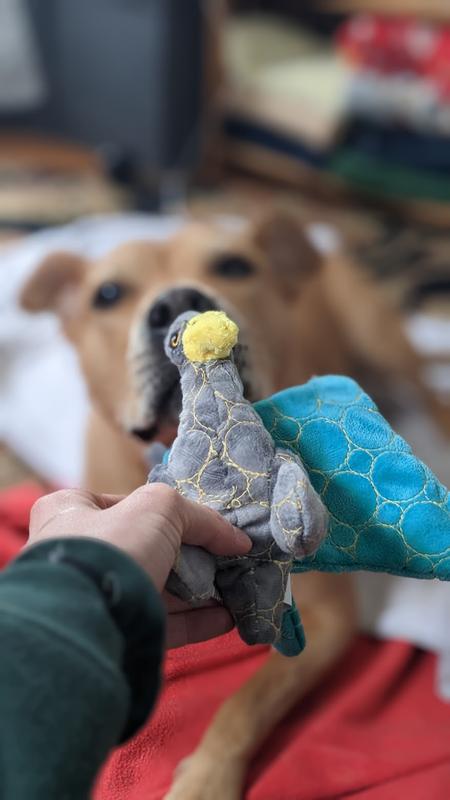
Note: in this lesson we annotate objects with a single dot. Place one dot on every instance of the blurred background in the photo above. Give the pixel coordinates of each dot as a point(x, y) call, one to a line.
point(116, 116)
point(342, 109)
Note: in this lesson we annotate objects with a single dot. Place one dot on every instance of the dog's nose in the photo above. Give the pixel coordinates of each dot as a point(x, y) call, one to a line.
point(168, 306)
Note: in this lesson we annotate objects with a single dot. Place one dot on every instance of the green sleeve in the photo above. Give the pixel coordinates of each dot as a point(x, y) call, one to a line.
point(81, 642)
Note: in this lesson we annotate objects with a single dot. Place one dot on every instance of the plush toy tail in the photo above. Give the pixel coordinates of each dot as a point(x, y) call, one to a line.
point(292, 640)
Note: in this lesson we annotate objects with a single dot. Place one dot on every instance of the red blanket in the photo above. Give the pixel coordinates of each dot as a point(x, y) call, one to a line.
point(374, 731)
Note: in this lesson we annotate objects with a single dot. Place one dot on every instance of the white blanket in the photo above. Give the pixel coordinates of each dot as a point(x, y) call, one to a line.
point(43, 408)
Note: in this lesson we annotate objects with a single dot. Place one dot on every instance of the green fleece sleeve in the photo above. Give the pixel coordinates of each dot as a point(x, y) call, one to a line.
point(81, 642)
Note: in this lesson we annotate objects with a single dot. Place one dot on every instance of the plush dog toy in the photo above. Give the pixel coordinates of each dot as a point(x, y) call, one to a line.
point(224, 457)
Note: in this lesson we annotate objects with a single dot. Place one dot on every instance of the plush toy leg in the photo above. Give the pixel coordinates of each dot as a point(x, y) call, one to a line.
point(256, 605)
point(299, 520)
point(192, 578)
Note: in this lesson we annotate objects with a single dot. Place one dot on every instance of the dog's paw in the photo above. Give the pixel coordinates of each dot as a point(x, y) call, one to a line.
point(204, 778)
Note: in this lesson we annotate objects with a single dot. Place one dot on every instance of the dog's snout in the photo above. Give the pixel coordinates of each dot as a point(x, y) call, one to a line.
point(159, 315)
point(197, 301)
point(167, 307)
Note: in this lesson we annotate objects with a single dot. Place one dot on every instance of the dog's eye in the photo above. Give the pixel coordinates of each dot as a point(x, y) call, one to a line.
point(108, 295)
point(232, 266)
point(174, 340)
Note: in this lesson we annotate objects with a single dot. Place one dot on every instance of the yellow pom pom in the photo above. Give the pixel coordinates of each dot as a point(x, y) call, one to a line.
point(209, 336)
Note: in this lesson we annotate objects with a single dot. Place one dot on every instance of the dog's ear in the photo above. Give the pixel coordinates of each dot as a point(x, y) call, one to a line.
point(286, 246)
point(50, 288)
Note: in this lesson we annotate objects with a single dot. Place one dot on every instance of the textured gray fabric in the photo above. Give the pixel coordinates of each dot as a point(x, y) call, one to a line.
point(224, 457)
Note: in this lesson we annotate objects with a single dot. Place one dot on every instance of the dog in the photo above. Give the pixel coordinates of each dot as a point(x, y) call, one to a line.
point(299, 314)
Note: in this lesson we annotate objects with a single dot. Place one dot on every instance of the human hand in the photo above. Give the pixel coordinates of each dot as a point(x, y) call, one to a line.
point(187, 624)
point(149, 525)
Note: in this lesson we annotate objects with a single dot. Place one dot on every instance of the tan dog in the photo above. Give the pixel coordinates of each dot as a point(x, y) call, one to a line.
point(299, 315)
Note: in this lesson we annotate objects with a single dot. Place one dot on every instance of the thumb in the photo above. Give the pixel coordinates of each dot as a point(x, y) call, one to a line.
point(204, 527)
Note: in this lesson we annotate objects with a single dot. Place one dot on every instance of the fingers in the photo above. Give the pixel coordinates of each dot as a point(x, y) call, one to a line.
point(108, 500)
point(55, 502)
point(52, 506)
point(191, 522)
point(149, 524)
point(174, 604)
point(197, 625)
point(207, 528)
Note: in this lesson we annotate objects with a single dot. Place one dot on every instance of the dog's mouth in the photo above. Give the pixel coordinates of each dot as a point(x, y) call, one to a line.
point(165, 408)
point(157, 397)
point(164, 428)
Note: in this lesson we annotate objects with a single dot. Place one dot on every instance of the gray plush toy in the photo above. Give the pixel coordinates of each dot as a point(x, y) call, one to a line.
point(224, 457)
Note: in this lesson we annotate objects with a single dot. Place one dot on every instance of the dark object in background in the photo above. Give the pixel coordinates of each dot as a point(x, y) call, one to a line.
point(304, 12)
point(433, 288)
point(400, 145)
point(125, 76)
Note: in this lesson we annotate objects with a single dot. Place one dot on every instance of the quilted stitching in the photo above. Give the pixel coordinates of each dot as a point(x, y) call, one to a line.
point(388, 512)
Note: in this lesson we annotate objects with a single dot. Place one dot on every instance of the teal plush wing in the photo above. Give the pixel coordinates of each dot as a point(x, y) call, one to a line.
point(388, 512)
